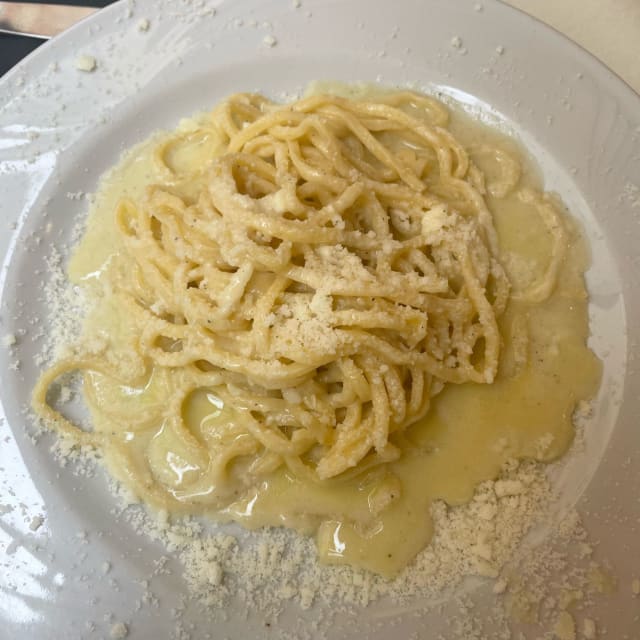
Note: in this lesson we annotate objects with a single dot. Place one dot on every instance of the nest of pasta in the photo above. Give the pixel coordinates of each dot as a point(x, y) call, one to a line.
point(339, 267)
point(321, 276)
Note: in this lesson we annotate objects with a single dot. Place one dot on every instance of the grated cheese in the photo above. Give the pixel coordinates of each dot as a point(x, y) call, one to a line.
point(86, 63)
point(565, 627)
point(9, 340)
point(118, 631)
point(589, 629)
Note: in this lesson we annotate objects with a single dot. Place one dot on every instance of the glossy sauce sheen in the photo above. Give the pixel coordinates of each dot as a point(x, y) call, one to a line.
point(380, 519)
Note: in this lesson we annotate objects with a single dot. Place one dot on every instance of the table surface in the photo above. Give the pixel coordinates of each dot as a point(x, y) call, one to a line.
point(14, 48)
point(610, 29)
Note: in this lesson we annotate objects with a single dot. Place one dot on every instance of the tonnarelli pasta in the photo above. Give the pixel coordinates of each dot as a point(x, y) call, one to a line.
point(320, 277)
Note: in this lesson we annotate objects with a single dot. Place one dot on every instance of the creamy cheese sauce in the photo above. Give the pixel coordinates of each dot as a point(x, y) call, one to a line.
point(377, 519)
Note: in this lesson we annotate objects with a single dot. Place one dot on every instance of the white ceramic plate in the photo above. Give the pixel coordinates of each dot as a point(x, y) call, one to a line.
point(60, 128)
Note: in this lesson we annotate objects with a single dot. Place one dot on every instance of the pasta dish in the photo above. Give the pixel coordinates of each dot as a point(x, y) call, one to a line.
point(286, 292)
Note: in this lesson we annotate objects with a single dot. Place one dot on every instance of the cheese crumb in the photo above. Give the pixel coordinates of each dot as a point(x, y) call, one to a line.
point(143, 25)
point(635, 587)
point(584, 409)
point(487, 511)
point(565, 627)
point(270, 41)
point(36, 523)
point(500, 586)
point(508, 488)
point(456, 42)
point(86, 63)
point(589, 629)
point(9, 340)
point(119, 631)
point(500, 50)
